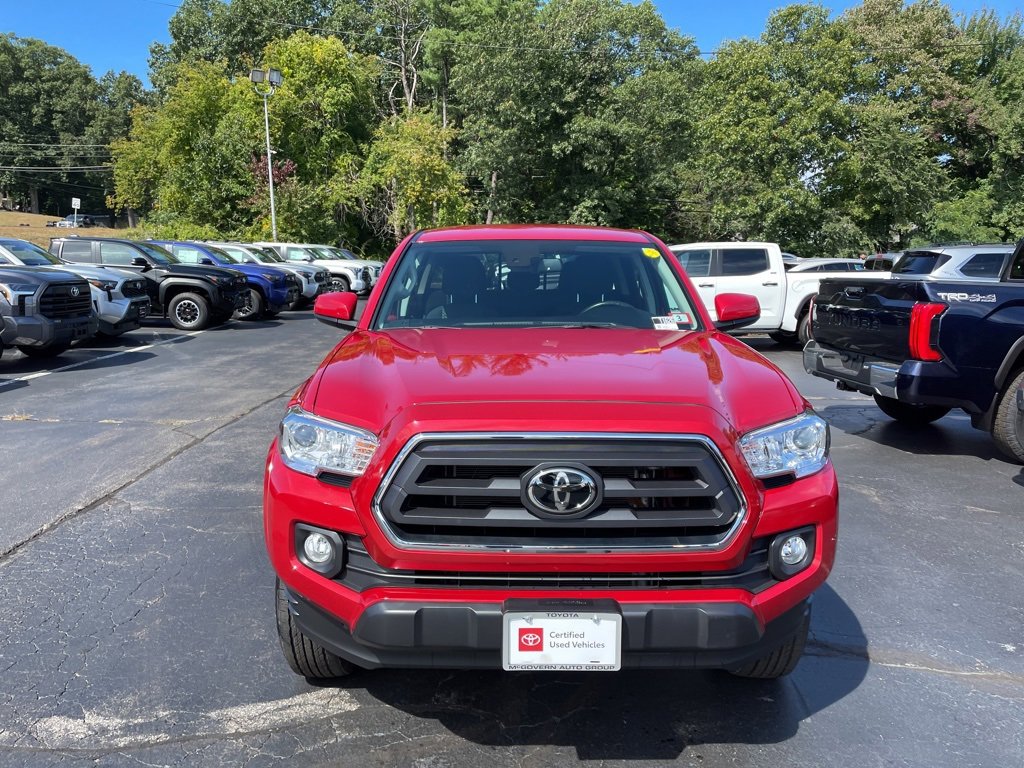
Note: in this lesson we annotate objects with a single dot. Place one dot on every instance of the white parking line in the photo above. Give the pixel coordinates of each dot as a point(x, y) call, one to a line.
point(80, 363)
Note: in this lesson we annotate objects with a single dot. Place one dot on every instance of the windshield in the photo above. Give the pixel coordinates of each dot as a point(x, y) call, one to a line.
point(223, 255)
point(535, 283)
point(157, 253)
point(238, 255)
point(325, 253)
point(269, 254)
point(30, 253)
point(342, 253)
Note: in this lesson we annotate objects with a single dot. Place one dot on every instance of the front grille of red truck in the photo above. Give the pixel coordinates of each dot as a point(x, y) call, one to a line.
point(465, 492)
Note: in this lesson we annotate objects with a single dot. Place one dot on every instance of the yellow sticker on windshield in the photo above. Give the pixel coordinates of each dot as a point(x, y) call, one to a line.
point(651, 253)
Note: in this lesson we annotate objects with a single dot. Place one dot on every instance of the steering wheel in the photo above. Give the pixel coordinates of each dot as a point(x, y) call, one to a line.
point(609, 303)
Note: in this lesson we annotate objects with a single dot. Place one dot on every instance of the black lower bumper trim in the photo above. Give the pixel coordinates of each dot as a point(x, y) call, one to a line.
point(442, 635)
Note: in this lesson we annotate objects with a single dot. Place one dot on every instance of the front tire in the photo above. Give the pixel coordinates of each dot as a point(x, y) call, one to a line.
point(253, 308)
point(189, 312)
point(782, 660)
point(909, 413)
point(306, 657)
point(53, 350)
point(1008, 425)
point(782, 337)
point(342, 284)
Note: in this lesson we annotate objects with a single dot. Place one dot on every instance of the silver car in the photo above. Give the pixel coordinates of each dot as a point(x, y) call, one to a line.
point(346, 275)
point(119, 298)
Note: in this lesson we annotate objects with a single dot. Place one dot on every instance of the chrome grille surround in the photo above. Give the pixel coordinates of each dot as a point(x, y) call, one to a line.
point(397, 540)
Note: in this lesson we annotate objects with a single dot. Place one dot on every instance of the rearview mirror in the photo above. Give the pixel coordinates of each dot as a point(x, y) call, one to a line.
point(736, 310)
point(336, 309)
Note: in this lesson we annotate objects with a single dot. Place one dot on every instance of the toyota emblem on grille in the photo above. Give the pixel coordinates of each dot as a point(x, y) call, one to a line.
point(75, 290)
point(561, 491)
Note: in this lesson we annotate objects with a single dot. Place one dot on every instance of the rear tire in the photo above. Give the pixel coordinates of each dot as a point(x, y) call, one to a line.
point(189, 312)
point(782, 660)
point(803, 329)
point(1008, 425)
point(306, 657)
point(908, 413)
point(43, 352)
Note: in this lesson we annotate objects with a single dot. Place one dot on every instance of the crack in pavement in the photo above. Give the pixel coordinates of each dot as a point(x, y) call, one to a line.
point(5, 554)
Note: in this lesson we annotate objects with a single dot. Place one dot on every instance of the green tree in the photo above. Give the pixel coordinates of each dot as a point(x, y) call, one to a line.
point(47, 102)
point(407, 181)
point(578, 111)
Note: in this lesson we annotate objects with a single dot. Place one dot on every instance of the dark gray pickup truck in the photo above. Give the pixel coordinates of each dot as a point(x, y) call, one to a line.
point(922, 347)
point(43, 310)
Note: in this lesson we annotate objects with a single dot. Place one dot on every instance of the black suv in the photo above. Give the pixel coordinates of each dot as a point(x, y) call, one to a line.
point(193, 297)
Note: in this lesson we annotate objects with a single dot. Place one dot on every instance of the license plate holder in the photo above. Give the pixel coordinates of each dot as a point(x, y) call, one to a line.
point(560, 636)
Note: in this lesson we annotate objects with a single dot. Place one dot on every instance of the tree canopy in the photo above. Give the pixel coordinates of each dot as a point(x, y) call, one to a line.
point(891, 123)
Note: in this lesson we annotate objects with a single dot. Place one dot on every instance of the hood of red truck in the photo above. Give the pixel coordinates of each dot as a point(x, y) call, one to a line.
point(373, 376)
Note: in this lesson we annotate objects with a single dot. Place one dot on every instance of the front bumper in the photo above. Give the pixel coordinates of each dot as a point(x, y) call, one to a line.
point(280, 298)
point(37, 331)
point(389, 623)
point(122, 315)
point(445, 635)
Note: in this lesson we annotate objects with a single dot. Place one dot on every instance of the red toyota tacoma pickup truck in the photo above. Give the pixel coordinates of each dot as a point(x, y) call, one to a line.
point(536, 451)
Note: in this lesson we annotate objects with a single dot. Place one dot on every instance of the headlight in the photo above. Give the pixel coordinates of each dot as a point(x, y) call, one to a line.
point(224, 280)
point(11, 291)
point(310, 445)
point(270, 277)
point(798, 446)
point(103, 285)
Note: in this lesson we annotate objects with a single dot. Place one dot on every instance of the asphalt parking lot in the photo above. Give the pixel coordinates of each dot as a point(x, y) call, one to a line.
point(137, 623)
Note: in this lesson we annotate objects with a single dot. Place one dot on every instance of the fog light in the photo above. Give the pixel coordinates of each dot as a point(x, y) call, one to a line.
point(794, 549)
point(791, 552)
point(318, 548)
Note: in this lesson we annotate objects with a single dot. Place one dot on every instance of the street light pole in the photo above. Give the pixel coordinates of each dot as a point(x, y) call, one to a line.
point(270, 79)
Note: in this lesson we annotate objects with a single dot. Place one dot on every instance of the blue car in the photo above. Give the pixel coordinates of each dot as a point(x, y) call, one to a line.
point(270, 289)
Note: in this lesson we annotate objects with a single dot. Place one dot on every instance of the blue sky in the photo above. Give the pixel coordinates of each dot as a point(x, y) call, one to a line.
point(116, 34)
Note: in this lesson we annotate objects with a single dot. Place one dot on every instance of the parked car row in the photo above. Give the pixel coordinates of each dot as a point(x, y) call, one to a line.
point(88, 285)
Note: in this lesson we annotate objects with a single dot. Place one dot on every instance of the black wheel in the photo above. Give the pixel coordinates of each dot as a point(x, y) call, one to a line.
point(1008, 425)
point(803, 329)
point(782, 337)
point(304, 656)
point(49, 351)
point(253, 307)
point(782, 660)
point(189, 312)
point(908, 413)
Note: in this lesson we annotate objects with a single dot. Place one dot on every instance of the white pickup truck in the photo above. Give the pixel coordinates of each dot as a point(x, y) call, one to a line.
point(757, 269)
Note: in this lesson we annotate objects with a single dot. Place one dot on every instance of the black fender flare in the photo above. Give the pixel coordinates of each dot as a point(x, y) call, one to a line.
point(191, 285)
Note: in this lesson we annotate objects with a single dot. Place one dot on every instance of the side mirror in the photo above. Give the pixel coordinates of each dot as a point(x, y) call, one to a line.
point(736, 310)
point(207, 261)
point(336, 309)
point(138, 261)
